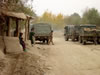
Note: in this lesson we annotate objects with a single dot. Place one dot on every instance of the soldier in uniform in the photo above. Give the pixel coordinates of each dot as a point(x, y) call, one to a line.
point(31, 36)
point(51, 38)
point(95, 37)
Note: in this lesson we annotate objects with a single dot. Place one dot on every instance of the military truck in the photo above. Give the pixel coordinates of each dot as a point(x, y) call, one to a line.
point(71, 32)
point(42, 31)
point(87, 33)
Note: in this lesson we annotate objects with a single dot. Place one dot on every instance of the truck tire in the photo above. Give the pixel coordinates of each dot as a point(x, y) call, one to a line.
point(66, 38)
point(47, 41)
point(98, 42)
point(77, 39)
point(43, 40)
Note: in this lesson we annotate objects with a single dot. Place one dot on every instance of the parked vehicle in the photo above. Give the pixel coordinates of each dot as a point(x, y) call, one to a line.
point(42, 31)
point(71, 32)
point(87, 33)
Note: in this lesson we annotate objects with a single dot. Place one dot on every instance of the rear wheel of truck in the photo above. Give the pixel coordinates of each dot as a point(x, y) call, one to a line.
point(66, 38)
point(44, 41)
point(48, 41)
point(98, 42)
point(77, 39)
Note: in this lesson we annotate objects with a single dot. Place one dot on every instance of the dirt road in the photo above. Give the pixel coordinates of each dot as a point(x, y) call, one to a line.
point(72, 58)
point(63, 58)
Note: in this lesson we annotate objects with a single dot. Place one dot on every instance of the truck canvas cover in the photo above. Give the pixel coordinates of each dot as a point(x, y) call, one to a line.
point(42, 29)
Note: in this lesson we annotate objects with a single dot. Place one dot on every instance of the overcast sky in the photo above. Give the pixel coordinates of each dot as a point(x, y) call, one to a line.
point(65, 7)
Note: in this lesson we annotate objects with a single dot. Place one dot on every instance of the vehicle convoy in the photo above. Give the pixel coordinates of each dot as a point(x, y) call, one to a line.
point(88, 33)
point(71, 32)
point(42, 32)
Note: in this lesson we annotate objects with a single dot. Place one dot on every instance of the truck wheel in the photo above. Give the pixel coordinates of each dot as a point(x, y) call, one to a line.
point(66, 38)
point(43, 41)
point(47, 41)
point(77, 39)
point(98, 42)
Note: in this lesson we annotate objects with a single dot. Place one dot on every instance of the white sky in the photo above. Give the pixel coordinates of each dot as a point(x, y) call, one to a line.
point(65, 7)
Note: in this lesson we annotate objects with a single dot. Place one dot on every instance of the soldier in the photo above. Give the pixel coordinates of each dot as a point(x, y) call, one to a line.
point(51, 38)
point(31, 36)
point(95, 37)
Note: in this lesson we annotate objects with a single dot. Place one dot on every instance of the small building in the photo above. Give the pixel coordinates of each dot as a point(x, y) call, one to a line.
point(5, 26)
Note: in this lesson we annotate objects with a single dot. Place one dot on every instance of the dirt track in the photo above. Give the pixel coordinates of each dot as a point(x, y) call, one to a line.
point(72, 58)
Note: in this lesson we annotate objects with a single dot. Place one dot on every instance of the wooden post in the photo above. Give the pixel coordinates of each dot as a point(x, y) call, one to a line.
point(25, 30)
point(8, 26)
point(28, 28)
point(17, 27)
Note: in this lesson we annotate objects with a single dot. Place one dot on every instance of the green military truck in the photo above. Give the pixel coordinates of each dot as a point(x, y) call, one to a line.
point(42, 31)
point(71, 32)
point(88, 33)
